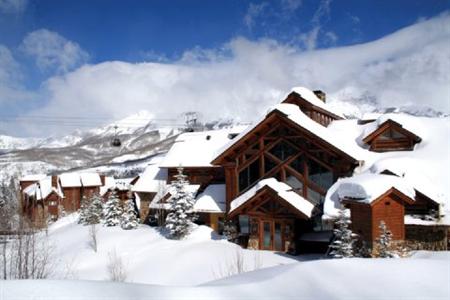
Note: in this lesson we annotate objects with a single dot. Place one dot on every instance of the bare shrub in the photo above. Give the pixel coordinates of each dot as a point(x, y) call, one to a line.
point(116, 267)
point(237, 264)
point(26, 255)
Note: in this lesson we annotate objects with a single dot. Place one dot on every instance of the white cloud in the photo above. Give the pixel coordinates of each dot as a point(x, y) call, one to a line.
point(52, 51)
point(291, 5)
point(254, 11)
point(13, 6)
point(407, 67)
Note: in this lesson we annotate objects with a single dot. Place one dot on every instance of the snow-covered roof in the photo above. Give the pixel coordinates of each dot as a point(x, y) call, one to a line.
point(312, 98)
point(151, 180)
point(156, 203)
point(110, 183)
point(90, 179)
point(197, 149)
point(41, 189)
point(427, 220)
point(212, 199)
point(70, 180)
point(33, 177)
point(402, 119)
point(283, 190)
point(363, 188)
point(294, 114)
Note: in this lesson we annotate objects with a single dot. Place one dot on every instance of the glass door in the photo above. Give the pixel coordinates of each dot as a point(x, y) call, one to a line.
point(278, 237)
point(266, 235)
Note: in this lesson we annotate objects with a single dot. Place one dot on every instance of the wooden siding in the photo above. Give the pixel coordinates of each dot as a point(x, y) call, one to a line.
point(391, 210)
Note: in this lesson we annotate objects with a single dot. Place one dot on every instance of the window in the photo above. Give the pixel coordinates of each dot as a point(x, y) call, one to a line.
point(319, 174)
point(282, 150)
point(315, 197)
point(297, 165)
point(249, 175)
point(244, 225)
point(268, 164)
point(295, 183)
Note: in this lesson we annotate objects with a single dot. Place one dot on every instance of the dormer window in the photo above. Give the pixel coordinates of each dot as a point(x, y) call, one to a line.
point(391, 136)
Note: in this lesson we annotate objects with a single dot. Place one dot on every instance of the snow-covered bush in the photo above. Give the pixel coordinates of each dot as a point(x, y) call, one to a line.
point(384, 242)
point(129, 217)
point(112, 210)
point(181, 215)
point(344, 238)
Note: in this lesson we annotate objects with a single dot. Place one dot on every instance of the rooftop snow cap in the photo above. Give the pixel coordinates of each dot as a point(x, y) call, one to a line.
point(321, 95)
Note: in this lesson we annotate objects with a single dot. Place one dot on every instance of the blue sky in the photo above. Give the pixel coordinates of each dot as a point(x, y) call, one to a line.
point(46, 40)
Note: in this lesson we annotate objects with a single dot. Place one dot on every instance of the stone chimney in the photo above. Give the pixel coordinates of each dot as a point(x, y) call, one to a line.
point(55, 181)
point(321, 95)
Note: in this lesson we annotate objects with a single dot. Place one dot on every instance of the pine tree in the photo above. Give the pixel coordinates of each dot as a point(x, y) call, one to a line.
point(384, 242)
point(94, 210)
point(129, 217)
point(83, 211)
point(181, 214)
point(112, 210)
point(344, 238)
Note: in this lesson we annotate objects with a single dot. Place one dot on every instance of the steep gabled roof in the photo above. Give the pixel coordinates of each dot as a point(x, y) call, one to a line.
point(304, 97)
point(285, 194)
point(390, 124)
point(292, 114)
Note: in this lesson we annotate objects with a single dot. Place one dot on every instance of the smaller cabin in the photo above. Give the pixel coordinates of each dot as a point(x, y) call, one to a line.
point(391, 136)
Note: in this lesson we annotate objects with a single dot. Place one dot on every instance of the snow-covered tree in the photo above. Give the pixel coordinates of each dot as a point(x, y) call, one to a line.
point(344, 238)
point(83, 211)
point(94, 210)
point(384, 242)
point(181, 203)
point(129, 217)
point(112, 210)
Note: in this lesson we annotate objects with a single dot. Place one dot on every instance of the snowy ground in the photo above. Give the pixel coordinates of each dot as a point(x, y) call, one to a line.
point(190, 269)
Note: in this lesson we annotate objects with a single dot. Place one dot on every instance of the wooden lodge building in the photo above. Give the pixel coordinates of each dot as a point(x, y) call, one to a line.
point(282, 180)
point(46, 197)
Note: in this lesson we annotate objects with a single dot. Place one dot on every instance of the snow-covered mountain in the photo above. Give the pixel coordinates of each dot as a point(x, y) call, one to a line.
point(141, 139)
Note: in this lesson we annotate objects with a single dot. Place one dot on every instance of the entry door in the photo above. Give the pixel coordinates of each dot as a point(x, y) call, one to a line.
point(272, 235)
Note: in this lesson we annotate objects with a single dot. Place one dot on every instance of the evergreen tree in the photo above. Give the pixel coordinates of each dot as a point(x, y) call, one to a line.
point(181, 203)
point(94, 210)
point(83, 211)
point(129, 217)
point(344, 238)
point(112, 210)
point(384, 242)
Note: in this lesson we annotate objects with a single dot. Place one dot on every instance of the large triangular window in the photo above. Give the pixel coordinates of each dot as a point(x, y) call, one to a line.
point(282, 150)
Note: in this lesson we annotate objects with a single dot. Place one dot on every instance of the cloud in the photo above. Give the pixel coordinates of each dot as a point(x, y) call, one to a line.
point(52, 51)
point(254, 11)
point(13, 6)
point(243, 78)
point(291, 5)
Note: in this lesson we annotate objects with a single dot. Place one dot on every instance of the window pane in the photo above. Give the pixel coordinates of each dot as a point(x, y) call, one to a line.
point(268, 164)
point(282, 150)
point(243, 179)
point(254, 172)
point(244, 224)
point(278, 240)
point(297, 164)
point(315, 197)
point(397, 135)
point(294, 183)
point(267, 235)
point(319, 174)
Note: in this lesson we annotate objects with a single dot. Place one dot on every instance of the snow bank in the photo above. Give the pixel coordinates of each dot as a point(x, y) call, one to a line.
point(148, 255)
point(322, 279)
